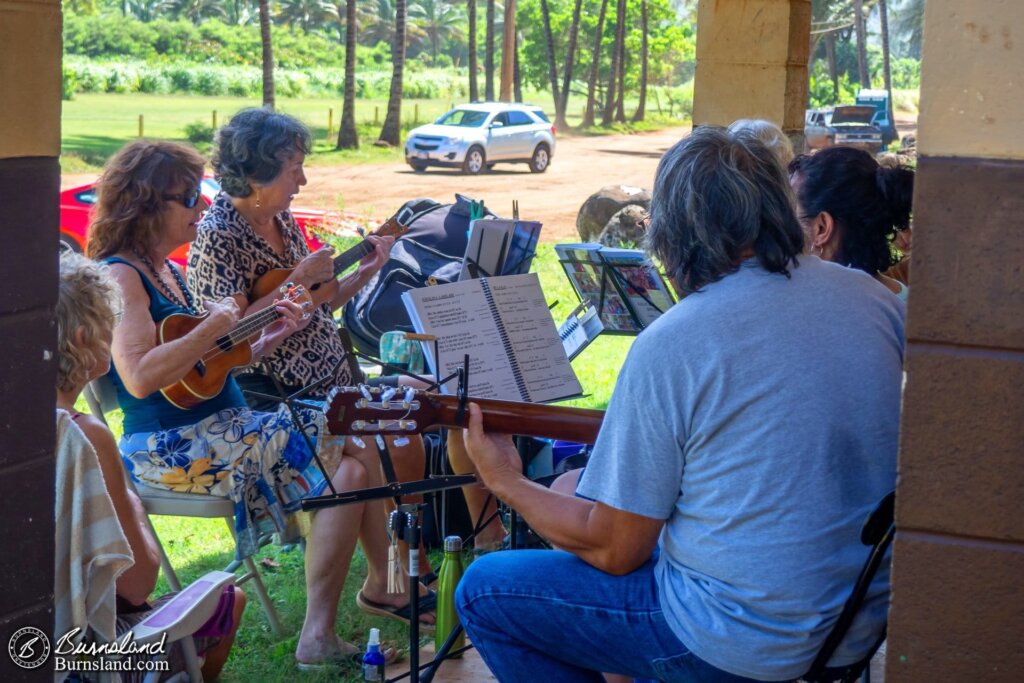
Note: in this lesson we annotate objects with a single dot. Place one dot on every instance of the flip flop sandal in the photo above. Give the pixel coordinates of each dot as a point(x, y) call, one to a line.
point(428, 603)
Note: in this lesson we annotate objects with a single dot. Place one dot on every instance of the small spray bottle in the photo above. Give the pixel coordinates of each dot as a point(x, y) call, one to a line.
point(373, 660)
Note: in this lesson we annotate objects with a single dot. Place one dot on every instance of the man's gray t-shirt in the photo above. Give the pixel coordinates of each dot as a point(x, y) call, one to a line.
point(759, 418)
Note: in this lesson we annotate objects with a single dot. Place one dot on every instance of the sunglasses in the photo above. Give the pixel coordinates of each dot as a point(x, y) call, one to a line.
point(187, 199)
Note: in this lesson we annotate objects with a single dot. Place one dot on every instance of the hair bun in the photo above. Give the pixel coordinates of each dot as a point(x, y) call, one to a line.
point(896, 186)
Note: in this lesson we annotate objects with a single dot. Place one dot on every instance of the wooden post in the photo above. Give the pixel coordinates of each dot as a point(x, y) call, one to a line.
point(213, 120)
point(376, 116)
point(140, 126)
point(416, 113)
point(330, 124)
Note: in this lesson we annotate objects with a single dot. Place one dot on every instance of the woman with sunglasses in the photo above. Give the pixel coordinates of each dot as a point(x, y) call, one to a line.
point(148, 206)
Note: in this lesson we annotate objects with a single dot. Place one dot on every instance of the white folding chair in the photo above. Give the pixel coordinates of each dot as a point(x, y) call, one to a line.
point(102, 398)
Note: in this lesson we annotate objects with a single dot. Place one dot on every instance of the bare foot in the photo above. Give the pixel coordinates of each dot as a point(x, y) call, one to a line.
point(314, 650)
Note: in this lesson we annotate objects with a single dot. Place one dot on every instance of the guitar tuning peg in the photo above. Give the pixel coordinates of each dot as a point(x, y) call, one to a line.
point(410, 394)
point(365, 391)
point(386, 395)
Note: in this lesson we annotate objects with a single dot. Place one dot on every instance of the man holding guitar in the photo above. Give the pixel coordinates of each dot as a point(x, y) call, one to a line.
point(715, 532)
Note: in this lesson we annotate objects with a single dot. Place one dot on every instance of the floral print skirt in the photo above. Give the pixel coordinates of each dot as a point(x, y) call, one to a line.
point(258, 460)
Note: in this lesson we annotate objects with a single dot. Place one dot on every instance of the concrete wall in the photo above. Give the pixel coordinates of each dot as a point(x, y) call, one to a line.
point(752, 62)
point(30, 83)
point(958, 567)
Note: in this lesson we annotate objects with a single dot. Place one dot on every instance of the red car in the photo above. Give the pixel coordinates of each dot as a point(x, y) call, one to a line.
point(77, 203)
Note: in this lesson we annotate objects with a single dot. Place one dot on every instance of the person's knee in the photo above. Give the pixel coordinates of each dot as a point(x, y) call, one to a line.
point(351, 475)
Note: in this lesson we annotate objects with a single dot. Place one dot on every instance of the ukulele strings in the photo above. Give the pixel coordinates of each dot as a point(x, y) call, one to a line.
point(245, 328)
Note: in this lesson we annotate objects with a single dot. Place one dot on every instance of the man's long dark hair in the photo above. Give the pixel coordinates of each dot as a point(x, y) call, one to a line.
point(719, 195)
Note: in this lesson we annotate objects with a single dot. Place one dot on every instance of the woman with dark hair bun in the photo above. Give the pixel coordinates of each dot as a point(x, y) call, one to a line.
point(851, 209)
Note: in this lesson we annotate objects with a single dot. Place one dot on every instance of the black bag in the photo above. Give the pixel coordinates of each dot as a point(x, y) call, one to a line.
point(429, 253)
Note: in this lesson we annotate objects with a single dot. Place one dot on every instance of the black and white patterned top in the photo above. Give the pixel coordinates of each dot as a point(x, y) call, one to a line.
point(228, 257)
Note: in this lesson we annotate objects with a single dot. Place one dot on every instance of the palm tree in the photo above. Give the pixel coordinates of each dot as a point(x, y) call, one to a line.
point(883, 15)
point(474, 93)
point(620, 110)
point(239, 12)
point(391, 132)
point(639, 115)
point(348, 137)
point(306, 14)
point(570, 58)
point(613, 78)
point(197, 10)
point(552, 67)
point(862, 46)
point(489, 53)
point(439, 20)
point(268, 55)
point(595, 62)
point(508, 57)
point(378, 26)
point(909, 20)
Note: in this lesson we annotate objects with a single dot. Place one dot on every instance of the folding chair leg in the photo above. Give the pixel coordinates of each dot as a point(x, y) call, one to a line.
point(264, 598)
point(195, 673)
point(253, 574)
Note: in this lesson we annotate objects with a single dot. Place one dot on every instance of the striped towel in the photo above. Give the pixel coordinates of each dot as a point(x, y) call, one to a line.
point(91, 550)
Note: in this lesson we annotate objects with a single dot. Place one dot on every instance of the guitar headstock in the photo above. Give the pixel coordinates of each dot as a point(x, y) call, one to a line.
point(297, 294)
point(388, 411)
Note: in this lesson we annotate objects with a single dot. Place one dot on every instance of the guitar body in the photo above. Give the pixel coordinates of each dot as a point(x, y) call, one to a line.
point(271, 281)
point(206, 379)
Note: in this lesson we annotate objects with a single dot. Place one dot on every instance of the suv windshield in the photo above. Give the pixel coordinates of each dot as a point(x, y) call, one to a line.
point(466, 118)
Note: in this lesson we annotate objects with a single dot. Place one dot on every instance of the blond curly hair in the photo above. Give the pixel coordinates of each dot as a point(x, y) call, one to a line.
point(88, 298)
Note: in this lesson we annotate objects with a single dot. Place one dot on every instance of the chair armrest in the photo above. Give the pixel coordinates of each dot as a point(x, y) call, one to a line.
point(186, 612)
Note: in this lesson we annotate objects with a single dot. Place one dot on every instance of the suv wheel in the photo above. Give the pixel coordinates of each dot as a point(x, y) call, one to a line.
point(418, 166)
point(540, 160)
point(475, 162)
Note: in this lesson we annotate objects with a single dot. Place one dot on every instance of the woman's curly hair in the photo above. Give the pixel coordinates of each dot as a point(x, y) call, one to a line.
point(130, 203)
point(253, 146)
point(88, 298)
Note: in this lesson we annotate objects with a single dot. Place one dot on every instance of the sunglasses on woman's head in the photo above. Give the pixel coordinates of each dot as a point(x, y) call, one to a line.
point(187, 199)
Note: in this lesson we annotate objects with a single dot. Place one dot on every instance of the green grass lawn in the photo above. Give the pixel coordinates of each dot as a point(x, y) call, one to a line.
point(196, 546)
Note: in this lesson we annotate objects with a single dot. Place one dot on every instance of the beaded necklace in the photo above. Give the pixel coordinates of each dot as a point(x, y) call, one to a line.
point(189, 303)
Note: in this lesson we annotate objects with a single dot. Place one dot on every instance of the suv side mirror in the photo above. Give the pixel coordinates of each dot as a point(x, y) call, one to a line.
point(497, 124)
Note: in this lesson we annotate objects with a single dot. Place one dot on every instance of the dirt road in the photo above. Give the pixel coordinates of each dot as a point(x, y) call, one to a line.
point(581, 166)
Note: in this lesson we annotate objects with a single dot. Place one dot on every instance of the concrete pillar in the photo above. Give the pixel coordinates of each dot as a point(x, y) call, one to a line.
point(752, 62)
point(958, 563)
point(30, 92)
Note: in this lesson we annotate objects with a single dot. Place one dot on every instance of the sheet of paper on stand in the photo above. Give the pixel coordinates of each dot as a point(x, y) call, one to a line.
point(506, 328)
point(581, 327)
point(500, 247)
point(627, 289)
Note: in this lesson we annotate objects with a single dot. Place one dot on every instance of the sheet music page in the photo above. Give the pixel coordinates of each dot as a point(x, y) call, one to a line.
point(460, 317)
point(534, 338)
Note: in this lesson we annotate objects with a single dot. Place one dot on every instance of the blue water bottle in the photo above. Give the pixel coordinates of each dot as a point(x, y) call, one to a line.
point(373, 660)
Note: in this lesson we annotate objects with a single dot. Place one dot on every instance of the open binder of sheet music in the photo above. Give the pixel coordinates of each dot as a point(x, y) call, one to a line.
point(504, 324)
point(581, 327)
point(499, 247)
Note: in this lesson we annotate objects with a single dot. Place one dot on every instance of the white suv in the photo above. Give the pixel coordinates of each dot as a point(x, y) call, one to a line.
point(476, 136)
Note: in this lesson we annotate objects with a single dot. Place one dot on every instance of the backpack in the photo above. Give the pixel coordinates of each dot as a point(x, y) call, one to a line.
point(429, 253)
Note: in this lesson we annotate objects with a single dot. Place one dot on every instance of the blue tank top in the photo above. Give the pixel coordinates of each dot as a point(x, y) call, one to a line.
point(154, 412)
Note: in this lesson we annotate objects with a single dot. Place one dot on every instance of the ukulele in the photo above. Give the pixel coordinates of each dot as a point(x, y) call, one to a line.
point(370, 411)
point(396, 226)
point(206, 378)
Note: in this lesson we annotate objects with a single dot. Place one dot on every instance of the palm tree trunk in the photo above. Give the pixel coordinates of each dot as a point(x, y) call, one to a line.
point(508, 53)
point(613, 77)
point(268, 55)
point(348, 137)
point(489, 54)
point(552, 67)
point(833, 68)
point(474, 93)
point(620, 111)
point(883, 15)
point(391, 132)
point(570, 58)
point(517, 80)
point(588, 116)
point(862, 45)
point(640, 108)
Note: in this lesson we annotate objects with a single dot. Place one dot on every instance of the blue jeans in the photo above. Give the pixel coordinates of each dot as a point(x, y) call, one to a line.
point(545, 615)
